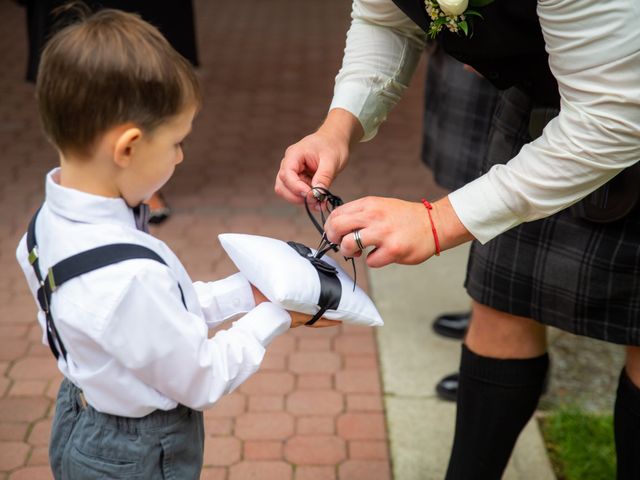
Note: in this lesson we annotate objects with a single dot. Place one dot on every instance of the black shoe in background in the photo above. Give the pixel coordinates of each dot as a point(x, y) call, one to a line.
point(447, 387)
point(452, 325)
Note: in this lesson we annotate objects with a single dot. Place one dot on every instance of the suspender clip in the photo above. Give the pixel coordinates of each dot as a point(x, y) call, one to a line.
point(51, 280)
point(33, 255)
point(43, 298)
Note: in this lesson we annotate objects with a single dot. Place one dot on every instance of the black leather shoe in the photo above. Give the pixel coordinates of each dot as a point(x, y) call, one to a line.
point(452, 325)
point(447, 387)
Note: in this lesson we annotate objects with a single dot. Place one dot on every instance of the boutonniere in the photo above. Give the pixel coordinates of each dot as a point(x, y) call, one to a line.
point(455, 15)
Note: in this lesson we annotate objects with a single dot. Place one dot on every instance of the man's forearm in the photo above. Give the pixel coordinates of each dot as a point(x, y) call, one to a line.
point(343, 126)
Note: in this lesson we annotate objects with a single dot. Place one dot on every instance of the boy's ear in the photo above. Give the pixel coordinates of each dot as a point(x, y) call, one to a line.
point(125, 146)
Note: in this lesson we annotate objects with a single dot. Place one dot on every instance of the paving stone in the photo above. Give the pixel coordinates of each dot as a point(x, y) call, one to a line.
point(213, 473)
point(364, 469)
point(34, 368)
point(358, 381)
point(13, 430)
point(12, 348)
point(355, 344)
point(13, 455)
point(221, 451)
point(315, 402)
point(273, 362)
point(23, 409)
point(28, 388)
point(263, 450)
point(264, 426)
point(314, 344)
point(361, 426)
point(40, 433)
point(314, 362)
point(13, 331)
point(228, 406)
point(366, 450)
point(354, 362)
point(315, 450)
point(316, 426)
point(284, 344)
point(5, 383)
point(364, 403)
point(261, 470)
point(304, 472)
point(39, 456)
point(266, 403)
point(269, 383)
point(217, 427)
point(314, 382)
point(32, 473)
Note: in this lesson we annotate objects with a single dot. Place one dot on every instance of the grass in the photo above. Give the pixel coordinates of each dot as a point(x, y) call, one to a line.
point(580, 445)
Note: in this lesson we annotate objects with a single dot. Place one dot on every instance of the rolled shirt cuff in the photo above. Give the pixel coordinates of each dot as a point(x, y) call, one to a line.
point(361, 102)
point(482, 211)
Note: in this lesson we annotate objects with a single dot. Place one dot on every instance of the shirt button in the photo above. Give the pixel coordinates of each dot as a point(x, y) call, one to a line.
point(236, 302)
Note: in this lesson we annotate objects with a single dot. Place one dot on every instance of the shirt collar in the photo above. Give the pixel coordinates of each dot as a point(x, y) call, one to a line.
point(85, 207)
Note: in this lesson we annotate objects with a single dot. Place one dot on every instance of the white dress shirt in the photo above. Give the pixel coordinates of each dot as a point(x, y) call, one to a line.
point(594, 53)
point(132, 346)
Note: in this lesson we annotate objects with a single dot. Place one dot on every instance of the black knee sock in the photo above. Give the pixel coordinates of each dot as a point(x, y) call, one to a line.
point(627, 428)
point(496, 399)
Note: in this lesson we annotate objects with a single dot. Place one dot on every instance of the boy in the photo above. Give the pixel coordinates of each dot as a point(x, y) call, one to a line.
point(126, 324)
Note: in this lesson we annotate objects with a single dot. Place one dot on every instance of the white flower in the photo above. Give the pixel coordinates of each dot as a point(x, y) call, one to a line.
point(453, 7)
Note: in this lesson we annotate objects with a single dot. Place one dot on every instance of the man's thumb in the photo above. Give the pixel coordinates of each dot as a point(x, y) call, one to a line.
point(321, 179)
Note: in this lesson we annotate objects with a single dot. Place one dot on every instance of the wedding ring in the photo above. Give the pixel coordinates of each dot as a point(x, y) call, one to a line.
point(356, 236)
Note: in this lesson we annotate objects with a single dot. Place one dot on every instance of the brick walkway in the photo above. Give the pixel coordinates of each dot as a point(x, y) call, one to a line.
point(314, 411)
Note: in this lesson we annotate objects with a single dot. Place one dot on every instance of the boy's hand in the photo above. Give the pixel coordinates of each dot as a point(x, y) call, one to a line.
point(297, 318)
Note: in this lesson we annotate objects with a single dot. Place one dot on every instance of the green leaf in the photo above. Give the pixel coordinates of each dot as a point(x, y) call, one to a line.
point(480, 3)
point(440, 21)
point(473, 13)
point(464, 27)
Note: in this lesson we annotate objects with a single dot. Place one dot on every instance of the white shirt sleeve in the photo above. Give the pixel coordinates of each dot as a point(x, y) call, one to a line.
point(224, 299)
point(594, 53)
point(382, 50)
point(152, 335)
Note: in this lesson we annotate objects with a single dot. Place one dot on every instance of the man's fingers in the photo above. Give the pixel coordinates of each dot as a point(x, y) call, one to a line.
point(283, 191)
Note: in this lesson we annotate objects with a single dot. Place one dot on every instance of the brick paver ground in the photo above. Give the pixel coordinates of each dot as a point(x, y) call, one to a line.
point(314, 411)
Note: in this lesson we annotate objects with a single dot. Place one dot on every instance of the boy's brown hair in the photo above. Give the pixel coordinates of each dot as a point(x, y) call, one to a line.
point(108, 69)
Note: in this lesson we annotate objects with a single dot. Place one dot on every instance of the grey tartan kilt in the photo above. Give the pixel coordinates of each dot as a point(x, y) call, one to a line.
point(564, 271)
point(457, 118)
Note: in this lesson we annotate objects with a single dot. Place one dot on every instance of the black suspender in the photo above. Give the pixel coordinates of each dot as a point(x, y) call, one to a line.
point(75, 266)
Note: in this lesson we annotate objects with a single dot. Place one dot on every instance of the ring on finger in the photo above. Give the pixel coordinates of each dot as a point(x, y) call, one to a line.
point(356, 236)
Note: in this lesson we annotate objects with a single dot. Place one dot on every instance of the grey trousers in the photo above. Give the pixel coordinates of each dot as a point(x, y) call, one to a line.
point(89, 445)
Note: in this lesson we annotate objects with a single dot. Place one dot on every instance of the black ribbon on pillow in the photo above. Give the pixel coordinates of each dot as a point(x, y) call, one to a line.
point(330, 286)
point(330, 202)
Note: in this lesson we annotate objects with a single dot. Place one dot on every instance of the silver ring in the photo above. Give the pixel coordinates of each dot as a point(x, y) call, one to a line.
point(356, 236)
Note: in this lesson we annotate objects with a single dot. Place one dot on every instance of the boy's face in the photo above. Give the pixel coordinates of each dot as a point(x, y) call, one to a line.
point(156, 157)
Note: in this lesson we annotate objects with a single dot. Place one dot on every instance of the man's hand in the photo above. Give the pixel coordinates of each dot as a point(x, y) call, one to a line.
point(399, 231)
point(317, 159)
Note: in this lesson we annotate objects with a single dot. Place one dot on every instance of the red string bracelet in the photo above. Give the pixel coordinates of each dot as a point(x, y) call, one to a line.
point(433, 226)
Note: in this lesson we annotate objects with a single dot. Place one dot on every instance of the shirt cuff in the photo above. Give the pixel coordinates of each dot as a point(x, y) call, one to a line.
point(482, 211)
point(359, 101)
point(226, 298)
point(265, 322)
